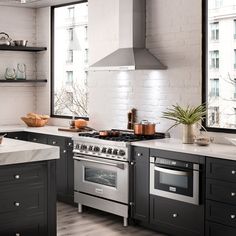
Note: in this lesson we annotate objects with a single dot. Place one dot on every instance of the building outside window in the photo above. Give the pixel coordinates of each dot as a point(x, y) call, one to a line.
point(69, 61)
point(71, 12)
point(214, 59)
point(69, 78)
point(69, 56)
point(214, 83)
point(218, 3)
point(214, 31)
point(70, 34)
point(234, 58)
point(234, 28)
point(214, 116)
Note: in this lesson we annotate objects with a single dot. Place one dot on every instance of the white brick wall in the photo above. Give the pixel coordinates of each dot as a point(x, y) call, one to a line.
point(17, 100)
point(174, 36)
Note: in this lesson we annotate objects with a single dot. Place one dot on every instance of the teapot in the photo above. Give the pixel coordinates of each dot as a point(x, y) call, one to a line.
point(5, 39)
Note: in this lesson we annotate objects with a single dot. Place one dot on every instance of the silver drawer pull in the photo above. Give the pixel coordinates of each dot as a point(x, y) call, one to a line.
point(17, 234)
point(17, 204)
point(139, 154)
point(174, 215)
point(34, 139)
point(17, 176)
point(69, 144)
point(64, 151)
point(232, 194)
point(232, 216)
point(16, 137)
point(233, 172)
point(54, 142)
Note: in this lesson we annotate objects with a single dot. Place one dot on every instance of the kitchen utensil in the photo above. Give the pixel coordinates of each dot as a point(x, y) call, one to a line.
point(21, 71)
point(144, 128)
point(20, 43)
point(10, 73)
point(109, 133)
point(5, 39)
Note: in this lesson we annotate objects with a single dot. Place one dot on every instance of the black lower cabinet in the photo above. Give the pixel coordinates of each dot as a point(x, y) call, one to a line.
point(214, 229)
point(175, 217)
point(28, 199)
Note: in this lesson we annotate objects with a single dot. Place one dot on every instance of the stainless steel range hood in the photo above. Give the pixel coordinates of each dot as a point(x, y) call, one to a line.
point(132, 54)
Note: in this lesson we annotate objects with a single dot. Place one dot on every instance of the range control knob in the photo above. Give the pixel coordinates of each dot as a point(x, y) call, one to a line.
point(104, 150)
point(115, 152)
point(77, 146)
point(83, 147)
point(121, 152)
point(96, 149)
point(109, 150)
point(90, 148)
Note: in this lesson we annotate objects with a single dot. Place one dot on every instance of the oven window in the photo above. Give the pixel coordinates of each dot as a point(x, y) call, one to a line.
point(173, 180)
point(99, 176)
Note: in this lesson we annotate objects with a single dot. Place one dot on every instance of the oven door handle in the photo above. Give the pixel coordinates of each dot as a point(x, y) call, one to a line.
point(79, 158)
point(169, 171)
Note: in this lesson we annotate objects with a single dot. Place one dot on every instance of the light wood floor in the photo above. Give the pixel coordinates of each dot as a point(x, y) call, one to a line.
point(94, 223)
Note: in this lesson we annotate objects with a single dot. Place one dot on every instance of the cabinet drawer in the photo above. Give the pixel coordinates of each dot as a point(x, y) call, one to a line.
point(35, 226)
point(19, 174)
point(57, 141)
point(25, 202)
point(221, 191)
point(221, 213)
point(17, 135)
point(181, 215)
point(213, 229)
point(221, 169)
point(37, 138)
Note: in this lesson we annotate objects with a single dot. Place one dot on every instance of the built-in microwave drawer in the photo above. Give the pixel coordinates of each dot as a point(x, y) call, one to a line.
point(221, 191)
point(221, 213)
point(221, 169)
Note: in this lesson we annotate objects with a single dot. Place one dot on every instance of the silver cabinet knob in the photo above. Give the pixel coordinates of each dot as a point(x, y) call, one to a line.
point(54, 142)
point(34, 139)
point(17, 204)
point(64, 151)
point(232, 216)
point(174, 215)
point(232, 194)
point(70, 144)
point(17, 234)
point(139, 154)
point(16, 137)
point(131, 163)
point(233, 172)
point(17, 176)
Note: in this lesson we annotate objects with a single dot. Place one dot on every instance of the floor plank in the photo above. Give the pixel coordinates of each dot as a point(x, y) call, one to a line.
point(94, 223)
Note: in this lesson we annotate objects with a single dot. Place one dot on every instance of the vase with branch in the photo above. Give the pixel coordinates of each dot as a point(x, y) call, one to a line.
point(188, 117)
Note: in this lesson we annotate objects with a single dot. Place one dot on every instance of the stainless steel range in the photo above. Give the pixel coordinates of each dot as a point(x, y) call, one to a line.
point(102, 171)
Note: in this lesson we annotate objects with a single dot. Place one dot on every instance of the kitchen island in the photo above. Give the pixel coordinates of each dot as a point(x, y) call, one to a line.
point(27, 188)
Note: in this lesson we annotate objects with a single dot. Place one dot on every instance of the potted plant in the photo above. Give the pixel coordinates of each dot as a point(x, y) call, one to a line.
point(188, 117)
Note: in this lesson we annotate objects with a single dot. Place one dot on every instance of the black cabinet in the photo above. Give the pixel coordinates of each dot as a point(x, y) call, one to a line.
point(140, 204)
point(18, 135)
point(221, 197)
point(175, 217)
point(37, 138)
point(28, 199)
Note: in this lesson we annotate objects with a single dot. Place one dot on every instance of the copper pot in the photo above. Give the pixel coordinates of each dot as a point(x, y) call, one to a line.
point(144, 128)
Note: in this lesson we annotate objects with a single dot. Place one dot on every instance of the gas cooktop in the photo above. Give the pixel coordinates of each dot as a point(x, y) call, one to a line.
point(124, 136)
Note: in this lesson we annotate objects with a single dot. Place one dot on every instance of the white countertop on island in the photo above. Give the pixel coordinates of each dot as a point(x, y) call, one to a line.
point(169, 144)
point(16, 151)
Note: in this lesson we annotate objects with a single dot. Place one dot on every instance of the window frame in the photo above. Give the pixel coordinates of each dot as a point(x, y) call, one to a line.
point(205, 55)
point(52, 62)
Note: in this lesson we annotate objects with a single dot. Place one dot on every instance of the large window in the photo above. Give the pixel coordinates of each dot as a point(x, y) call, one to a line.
point(219, 64)
point(69, 60)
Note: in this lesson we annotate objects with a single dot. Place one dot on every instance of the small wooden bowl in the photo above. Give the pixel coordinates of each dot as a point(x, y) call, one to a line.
point(34, 122)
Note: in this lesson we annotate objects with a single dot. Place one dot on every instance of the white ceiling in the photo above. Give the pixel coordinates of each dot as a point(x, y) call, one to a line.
point(35, 3)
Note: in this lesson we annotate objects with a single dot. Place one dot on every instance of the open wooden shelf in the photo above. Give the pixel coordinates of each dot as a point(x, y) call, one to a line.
point(23, 81)
point(21, 48)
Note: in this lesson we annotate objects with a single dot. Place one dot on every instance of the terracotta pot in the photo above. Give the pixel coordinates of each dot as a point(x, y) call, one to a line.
point(144, 128)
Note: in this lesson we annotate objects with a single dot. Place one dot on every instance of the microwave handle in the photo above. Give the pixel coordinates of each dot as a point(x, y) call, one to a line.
point(169, 171)
point(79, 158)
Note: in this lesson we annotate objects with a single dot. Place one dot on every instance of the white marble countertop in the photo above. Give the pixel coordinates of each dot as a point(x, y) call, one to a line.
point(169, 144)
point(15, 151)
point(51, 130)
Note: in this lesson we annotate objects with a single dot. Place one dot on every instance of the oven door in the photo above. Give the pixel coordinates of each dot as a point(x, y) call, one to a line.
point(178, 184)
point(101, 177)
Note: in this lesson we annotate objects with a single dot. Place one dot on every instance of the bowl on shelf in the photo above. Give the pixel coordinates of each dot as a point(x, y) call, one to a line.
point(34, 122)
point(20, 43)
